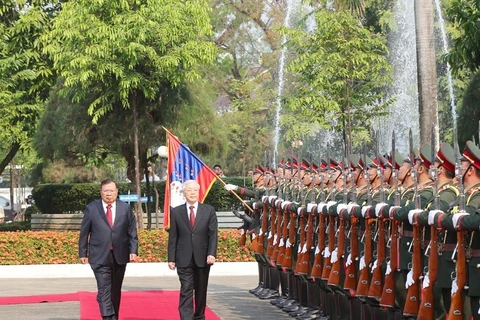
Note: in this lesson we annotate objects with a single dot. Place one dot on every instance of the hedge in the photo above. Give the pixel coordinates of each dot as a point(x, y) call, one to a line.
point(72, 198)
point(61, 247)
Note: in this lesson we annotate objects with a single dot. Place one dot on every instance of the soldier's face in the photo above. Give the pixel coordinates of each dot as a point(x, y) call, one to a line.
point(404, 169)
point(387, 173)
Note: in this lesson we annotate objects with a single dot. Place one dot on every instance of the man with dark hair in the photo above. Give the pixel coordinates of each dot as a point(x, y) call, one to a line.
point(108, 240)
point(218, 171)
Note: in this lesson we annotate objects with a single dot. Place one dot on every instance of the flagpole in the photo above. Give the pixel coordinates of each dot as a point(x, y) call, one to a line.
point(220, 179)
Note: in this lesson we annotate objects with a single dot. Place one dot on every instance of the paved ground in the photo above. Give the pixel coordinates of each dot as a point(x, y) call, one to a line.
point(228, 297)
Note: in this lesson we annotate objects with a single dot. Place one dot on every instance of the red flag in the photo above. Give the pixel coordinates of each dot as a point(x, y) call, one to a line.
point(183, 165)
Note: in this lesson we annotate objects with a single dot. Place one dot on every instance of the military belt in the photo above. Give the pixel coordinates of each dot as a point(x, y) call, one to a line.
point(473, 253)
point(448, 247)
point(407, 233)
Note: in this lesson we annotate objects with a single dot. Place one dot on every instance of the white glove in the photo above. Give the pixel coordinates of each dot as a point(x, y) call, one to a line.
point(411, 215)
point(392, 210)
point(334, 257)
point(375, 264)
point(362, 263)
point(340, 207)
point(351, 206)
point(260, 232)
point(270, 235)
point(330, 203)
point(242, 231)
point(389, 269)
point(317, 250)
point(275, 238)
point(326, 252)
point(456, 218)
point(304, 249)
point(264, 198)
point(364, 210)
point(230, 187)
point(410, 281)
point(431, 216)
point(454, 286)
point(379, 207)
point(299, 210)
point(320, 207)
point(299, 249)
point(255, 206)
point(349, 260)
point(310, 207)
point(426, 281)
point(253, 236)
point(284, 204)
point(270, 198)
point(288, 245)
point(281, 244)
point(277, 202)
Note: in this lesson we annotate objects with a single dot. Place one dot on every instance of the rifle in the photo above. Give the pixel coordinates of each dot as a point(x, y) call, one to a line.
point(350, 282)
point(283, 239)
point(363, 285)
point(264, 216)
point(317, 267)
point(273, 231)
point(426, 310)
point(388, 294)
point(456, 306)
point(288, 257)
point(327, 266)
point(278, 237)
point(412, 303)
point(299, 269)
point(375, 290)
point(335, 273)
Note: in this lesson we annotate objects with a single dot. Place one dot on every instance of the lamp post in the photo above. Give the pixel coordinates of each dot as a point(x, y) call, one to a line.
point(162, 152)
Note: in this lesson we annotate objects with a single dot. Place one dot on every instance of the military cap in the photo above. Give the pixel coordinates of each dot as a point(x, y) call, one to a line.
point(269, 170)
point(259, 170)
point(288, 164)
point(372, 163)
point(333, 164)
point(355, 162)
point(281, 163)
point(425, 155)
point(472, 154)
point(323, 165)
point(446, 156)
point(294, 164)
point(305, 165)
point(383, 161)
point(314, 167)
point(398, 160)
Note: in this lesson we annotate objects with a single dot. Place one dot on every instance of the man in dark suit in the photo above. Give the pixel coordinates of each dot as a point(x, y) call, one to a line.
point(108, 240)
point(192, 247)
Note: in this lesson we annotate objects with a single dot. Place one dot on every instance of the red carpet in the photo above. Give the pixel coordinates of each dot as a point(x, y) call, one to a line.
point(62, 297)
point(139, 305)
point(136, 305)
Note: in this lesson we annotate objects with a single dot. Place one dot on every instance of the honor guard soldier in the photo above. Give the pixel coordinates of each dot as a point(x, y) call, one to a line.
point(460, 221)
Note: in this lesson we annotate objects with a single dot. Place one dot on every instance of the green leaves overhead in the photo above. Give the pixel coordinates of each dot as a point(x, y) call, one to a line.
point(113, 49)
point(341, 71)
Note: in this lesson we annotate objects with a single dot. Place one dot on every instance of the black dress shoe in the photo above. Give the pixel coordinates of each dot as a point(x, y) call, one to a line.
point(312, 314)
point(278, 300)
point(262, 292)
point(292, 308)
point(288, 302)
point(270, 295)
point(258, 288)
point(299, 312)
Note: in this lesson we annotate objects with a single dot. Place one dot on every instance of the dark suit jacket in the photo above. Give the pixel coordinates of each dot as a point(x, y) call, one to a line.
point(199, 241)
point(123, 235)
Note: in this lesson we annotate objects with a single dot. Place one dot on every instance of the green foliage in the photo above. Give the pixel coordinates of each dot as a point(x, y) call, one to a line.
point(469, 114)
point(465, 53)
point(15, 226)
point(72, 198)
point(342, 72)
point(117, 51)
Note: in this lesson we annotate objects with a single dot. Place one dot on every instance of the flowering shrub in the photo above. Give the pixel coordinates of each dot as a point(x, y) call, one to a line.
point(61, 247)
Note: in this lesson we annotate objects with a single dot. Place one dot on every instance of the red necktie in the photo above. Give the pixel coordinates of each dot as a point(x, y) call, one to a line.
point(192, 216)
point(109, 214)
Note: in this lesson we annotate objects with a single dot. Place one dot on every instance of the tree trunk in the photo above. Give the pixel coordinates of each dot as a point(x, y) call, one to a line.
point(11, 153)
point(427, 73)
point(137, 161)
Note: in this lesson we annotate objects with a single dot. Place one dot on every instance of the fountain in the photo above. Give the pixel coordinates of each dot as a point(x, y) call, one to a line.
point(403, 114)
